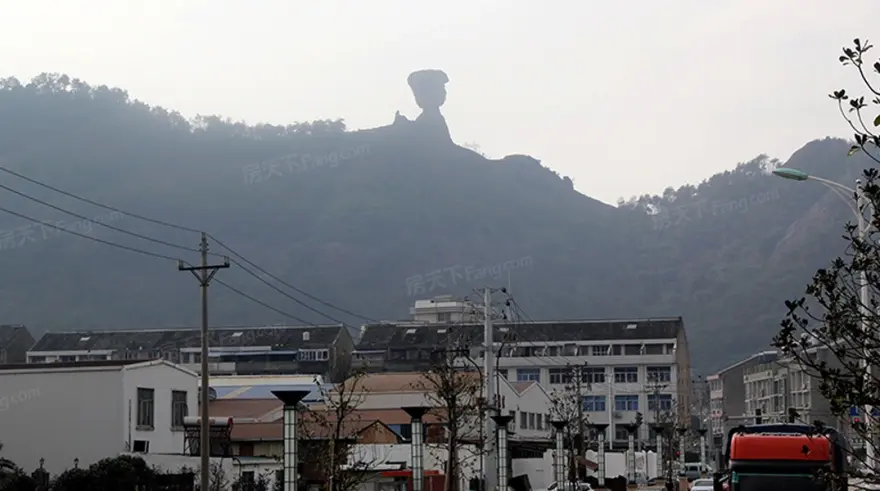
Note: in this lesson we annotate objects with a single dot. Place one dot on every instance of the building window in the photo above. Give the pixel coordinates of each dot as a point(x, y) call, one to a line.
point(145, 405)
point(67, 358)
point(314, 354)
point(626, 375)
point(179, 409)
point(531, 421)
point(246, 449)
point(37, 359)
point(540, 421)
point(594, 375)
point(659, 374)
point(665, 401)
point(632, 349)
point(444, 317)
point(626, 403)
point(560, 376)
point(594, 404)
point(653, 349)
point(528, 375)
point(523, 421)
point(600, 350)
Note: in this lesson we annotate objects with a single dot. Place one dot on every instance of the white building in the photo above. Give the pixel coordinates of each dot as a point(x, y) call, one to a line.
point(93, 410)
point(629, 366)
point(526, 401)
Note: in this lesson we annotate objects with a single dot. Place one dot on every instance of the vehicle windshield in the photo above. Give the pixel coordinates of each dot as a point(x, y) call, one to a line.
point(777, 482)
point(703, 482)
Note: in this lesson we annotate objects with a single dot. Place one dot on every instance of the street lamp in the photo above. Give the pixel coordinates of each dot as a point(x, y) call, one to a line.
point(864, 291)
point(291, 400)
point(416, 413)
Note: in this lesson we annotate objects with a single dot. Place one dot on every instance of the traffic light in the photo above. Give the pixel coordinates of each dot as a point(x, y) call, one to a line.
point(639, 419)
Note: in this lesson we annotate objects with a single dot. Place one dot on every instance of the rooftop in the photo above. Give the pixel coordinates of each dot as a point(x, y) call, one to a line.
point(309, 430)
point(276, 337)
point(108, 364)
point(8, 332)
point(388, 382)
point(412, 335)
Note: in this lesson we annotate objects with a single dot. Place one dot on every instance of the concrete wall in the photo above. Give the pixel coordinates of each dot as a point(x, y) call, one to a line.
point(61, 415)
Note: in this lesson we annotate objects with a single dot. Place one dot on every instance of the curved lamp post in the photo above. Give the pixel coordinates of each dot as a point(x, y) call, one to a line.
point(864, 290)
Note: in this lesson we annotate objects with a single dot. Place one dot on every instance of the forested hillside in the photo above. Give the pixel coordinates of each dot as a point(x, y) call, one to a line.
point(370, 220)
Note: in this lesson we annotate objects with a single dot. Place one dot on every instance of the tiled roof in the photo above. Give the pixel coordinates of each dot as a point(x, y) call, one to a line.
point(9, 332)
point(412, 335)
point(278, 337)
point(309, 430)
point(71, 364)
point(243, 408)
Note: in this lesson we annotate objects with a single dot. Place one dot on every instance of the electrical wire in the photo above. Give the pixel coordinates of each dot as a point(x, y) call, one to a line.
point(147, 253)
point(279, 280)
point(111, 227)
point(102, 241)
point(166, 243)
point(186, 229)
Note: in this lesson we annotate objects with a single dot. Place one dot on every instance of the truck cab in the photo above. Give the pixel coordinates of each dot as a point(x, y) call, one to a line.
point(775, 457)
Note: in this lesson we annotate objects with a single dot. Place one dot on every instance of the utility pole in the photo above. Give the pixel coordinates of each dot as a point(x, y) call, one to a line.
point(490, 468)
point(204, 273)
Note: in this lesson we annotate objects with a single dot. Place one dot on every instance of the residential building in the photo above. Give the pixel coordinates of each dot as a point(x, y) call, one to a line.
point(92, 410)
point(776, 386)
point(727, 394)
point(445, 308)
point(320, 350)
point(629, 366)
point(15, 341)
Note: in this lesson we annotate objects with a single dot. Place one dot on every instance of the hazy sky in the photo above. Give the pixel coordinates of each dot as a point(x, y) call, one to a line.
point(624, 97)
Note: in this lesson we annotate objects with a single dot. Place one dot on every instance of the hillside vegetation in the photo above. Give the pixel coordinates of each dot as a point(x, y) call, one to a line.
point(371, 220)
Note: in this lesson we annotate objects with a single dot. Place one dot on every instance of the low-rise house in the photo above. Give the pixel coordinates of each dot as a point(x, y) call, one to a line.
point(15, 341)
point(319, 350)
point(92, 410)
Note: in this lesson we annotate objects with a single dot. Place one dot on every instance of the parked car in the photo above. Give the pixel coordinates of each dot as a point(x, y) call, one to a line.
point(694, 470)
point(702, 485)
point(567, 486)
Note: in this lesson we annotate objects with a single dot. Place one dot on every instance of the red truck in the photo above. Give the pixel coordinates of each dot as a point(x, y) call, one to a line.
point(777, 457)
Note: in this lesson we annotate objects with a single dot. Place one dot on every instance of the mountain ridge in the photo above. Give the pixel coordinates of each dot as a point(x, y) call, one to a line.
point(354, 231)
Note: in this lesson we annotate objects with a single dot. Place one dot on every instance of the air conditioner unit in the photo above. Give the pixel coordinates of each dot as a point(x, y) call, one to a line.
point(617, 415)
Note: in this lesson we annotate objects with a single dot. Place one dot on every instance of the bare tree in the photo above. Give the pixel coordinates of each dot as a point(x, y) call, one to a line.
point(333, 432)
point(455, 396)
point(834, 336)
point(567, 404)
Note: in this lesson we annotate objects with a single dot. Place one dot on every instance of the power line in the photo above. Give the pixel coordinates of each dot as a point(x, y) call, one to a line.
point(111, 227)
point(147, 253)
point(100, 205)
point(102, 241)
point(183, 228)
point(169, 244)
point(279, 280)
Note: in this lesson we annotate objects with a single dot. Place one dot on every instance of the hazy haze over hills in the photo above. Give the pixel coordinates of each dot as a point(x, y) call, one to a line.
point(353, 217)
point(625, 98)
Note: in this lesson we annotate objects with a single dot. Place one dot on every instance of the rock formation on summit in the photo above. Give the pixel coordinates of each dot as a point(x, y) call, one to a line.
point(429, 89)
